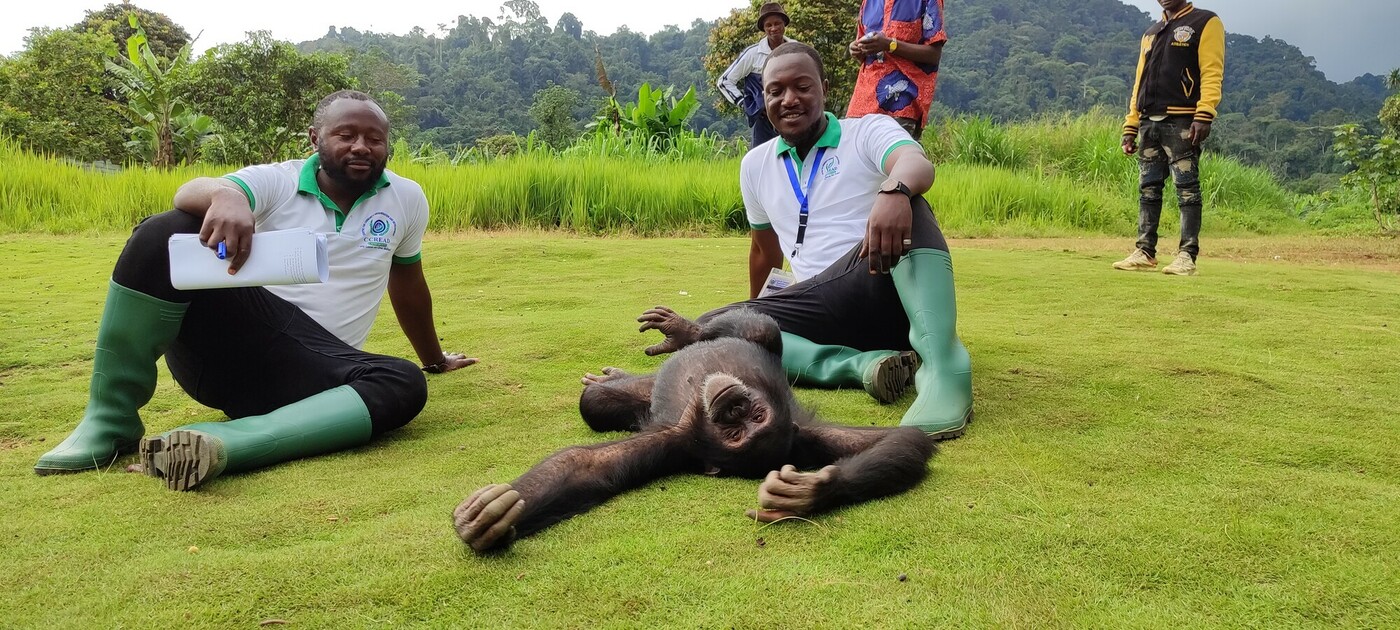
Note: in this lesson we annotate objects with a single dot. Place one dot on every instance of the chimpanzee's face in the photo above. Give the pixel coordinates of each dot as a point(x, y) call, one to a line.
point(747, 432)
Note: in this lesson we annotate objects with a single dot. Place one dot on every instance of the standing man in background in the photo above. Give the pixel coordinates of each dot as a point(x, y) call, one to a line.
point(742, 83)
point(1180, 66)
point(898, 44)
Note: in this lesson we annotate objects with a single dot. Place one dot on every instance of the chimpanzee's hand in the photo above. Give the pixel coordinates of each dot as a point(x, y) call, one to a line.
point(787, 492)
point(486, 520)
point(680, 332)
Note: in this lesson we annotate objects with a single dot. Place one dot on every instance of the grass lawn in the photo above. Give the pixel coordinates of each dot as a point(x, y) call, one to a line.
point(1148, 452)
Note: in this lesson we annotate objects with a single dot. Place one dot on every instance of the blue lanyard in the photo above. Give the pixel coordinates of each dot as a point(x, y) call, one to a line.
point(801, 198)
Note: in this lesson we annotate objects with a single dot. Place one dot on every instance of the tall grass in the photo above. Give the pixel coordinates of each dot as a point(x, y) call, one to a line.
point(1055, 175)
point(1062, 162)
point(591, 194)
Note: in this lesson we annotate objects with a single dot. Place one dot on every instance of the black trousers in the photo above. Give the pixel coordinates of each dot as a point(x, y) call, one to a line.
point(246, 352)
point(1164, 148)
point(845, 305)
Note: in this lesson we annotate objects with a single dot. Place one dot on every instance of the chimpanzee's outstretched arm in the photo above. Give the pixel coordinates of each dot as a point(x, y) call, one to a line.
point(857, 464)
point(737, 322)
point(569, 482)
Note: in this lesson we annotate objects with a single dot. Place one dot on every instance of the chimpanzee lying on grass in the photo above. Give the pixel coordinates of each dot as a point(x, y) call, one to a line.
point(720, 406)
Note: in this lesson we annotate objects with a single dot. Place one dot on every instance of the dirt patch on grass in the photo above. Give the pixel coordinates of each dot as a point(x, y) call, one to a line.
point(1378, 253)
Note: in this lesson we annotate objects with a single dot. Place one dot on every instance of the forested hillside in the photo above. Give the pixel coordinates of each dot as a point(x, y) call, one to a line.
point(1006, 59)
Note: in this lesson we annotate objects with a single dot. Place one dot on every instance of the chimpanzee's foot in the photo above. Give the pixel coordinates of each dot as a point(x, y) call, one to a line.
point(609, 374)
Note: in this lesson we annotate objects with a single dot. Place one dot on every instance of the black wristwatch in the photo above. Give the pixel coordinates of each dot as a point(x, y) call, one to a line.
point(895, 186)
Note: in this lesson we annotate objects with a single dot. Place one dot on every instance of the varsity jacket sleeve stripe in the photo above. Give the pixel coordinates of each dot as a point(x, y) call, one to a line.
point(1212, 68)
point(1130, 124)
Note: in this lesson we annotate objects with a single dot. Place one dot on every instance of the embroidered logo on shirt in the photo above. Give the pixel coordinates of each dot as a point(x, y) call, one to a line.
point(831, 167)
point(1183, 34)
point(378, 231)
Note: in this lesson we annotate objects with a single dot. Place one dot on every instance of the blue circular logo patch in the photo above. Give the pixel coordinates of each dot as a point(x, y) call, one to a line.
point(895, 91)
point(378, 231)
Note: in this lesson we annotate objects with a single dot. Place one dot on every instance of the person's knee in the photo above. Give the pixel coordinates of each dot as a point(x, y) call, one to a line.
point(144, 264)
point(1151, 192)
point(925, 232)
point(395, 391)
point(155, 230)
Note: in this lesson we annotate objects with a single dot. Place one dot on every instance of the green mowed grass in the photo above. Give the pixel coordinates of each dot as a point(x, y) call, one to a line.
point(1148, 452)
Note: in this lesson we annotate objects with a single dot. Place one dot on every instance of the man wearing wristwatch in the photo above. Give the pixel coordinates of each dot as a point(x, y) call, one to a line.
point(898, 44)
point(841, 200)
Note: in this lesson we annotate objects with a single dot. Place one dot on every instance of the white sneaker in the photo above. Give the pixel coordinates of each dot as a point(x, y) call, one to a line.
point(1182, 265)
point(1136, 261)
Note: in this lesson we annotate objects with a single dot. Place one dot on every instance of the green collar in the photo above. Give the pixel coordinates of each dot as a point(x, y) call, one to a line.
point(830, 138)
point(307, 184)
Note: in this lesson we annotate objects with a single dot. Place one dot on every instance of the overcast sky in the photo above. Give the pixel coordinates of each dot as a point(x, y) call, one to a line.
point(1347, 37)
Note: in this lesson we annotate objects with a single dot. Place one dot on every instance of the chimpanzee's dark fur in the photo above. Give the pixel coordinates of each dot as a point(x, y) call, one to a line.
point(719, 406)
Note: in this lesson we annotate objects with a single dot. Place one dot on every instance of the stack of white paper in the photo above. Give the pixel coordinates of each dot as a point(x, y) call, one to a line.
point(280, 257)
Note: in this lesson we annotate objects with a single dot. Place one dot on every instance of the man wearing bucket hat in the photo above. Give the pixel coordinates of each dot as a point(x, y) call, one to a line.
point(742, 83)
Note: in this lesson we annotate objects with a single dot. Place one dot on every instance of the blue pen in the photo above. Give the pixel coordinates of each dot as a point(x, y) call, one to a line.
point(223, 250)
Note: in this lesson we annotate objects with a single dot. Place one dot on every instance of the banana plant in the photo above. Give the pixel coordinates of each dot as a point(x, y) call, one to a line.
point(165, 129)
point(657, 115)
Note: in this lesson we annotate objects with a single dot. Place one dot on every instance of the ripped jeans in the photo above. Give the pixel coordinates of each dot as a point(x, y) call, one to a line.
point(1164, 146)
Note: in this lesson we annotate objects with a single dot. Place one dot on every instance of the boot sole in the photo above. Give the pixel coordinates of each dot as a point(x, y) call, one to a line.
point(184, 459)
point(953, 433)
point(893, 376)
point(1152, 268)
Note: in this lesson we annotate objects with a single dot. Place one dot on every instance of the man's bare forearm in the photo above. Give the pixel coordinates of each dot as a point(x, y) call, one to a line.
point(197, 195)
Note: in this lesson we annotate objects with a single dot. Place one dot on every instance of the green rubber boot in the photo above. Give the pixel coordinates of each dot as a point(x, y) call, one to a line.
point(884, 374)
point(135, 330)
point(924, 279)
point(330, 421)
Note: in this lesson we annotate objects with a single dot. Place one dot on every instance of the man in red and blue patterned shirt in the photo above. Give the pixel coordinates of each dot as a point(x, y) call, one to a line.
point(899, 44)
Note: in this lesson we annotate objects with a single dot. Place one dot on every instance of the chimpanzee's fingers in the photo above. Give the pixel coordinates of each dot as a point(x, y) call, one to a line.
point(660, 348)
point(501, 531)
point(460, 514)
point(778, 502)
point(492, 513)
point(488, 494)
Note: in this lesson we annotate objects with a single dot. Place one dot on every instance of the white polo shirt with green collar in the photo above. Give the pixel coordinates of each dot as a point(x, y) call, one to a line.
point(842, 192)
point(384, 226)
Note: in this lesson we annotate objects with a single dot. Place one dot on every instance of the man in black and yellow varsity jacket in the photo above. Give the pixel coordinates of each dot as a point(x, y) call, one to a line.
point(1180, 66)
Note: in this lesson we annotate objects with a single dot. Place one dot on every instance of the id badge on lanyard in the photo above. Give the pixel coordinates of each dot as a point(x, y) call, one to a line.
point(801, 196)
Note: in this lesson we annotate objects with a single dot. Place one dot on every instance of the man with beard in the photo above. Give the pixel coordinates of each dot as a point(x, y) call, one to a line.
point(283, 361)
point(842, 201)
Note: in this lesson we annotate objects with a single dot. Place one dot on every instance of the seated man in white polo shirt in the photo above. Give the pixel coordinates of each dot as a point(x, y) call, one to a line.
point(282, 361)
point(841, 199)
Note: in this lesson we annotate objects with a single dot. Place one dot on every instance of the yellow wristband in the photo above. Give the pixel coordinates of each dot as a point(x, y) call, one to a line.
point(894, 43)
